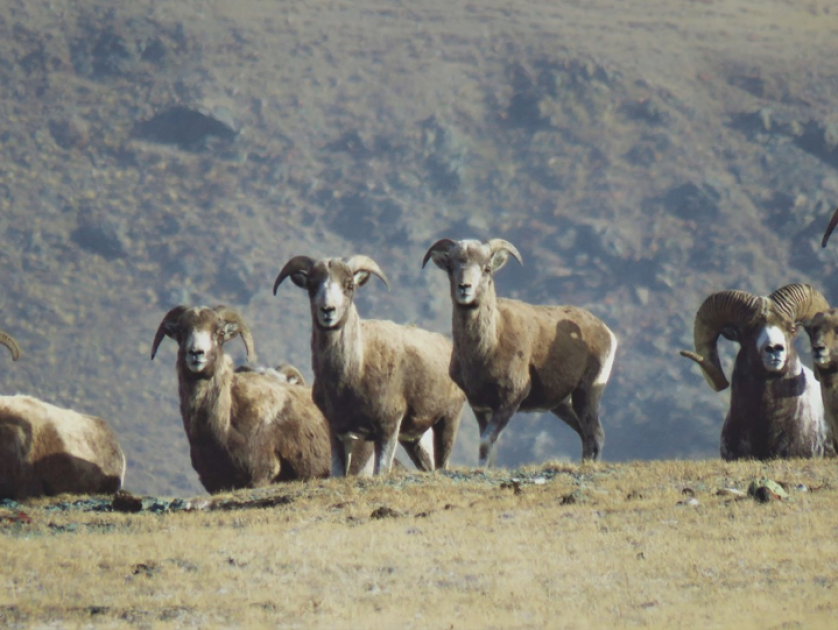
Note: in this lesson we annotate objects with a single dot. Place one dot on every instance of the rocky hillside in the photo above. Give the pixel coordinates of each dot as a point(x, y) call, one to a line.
point(166, 152)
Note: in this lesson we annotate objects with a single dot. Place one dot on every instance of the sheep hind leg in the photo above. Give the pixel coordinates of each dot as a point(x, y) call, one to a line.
point(445, 433)
point(421, 451)
point(385, 449)
point(586, 405)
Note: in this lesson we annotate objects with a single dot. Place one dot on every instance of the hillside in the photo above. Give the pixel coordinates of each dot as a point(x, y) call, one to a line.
point(640, 157)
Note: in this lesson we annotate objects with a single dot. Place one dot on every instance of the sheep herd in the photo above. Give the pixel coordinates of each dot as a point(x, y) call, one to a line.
point(378, 384)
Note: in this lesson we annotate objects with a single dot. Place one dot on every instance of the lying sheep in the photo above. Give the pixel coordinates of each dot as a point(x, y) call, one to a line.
point(47, 450)
point(823, 334)
point(244, 429)
point(775, 402)
point(510, 355)
point(375, 380)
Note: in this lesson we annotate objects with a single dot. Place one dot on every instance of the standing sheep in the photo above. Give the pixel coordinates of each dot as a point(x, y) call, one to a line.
point(375, 380)
point(510, 355)
point(823, 334)
point(776, 408)
point(245, 429)
point(47, 450)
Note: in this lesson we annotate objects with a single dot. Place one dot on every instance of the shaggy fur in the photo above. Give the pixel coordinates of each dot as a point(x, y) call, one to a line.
point(510, 355)
point(375, 380)
point(47, 450)
point(245, 429)
point(823, 334)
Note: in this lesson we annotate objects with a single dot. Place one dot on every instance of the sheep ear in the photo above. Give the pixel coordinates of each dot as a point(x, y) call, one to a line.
point(361, 277)
point(364, 266)
point(230, 330)
point(501, 251)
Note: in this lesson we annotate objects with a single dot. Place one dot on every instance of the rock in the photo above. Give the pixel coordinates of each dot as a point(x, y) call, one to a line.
point(126, 502)
point(70, 133)
point(184, 127)
point(102, 235)
point(765, 490)
point(385, 512)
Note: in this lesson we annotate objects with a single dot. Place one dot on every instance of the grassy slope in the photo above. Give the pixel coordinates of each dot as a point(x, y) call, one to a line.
point(465, 551)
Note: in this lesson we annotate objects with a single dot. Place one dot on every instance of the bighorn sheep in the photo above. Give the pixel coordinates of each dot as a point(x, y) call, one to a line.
point(47, 450)
point(775, 402)
point(375, 380)
point(823, 334)
point(245, 429)
point(510, 355)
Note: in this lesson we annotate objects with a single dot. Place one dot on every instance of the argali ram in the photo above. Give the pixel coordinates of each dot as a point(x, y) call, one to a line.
point(375, 380)
point(47, 450)
point(511, 356)
point(776, 409)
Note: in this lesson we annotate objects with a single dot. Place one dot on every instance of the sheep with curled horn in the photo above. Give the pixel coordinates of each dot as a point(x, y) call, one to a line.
point(776, 410)
point(48, 450)
point(823, 335)
point(245, 429)
point(511, 356)
point(375, 380)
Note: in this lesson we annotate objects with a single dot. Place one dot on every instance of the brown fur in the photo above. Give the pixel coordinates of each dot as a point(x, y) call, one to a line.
point(245, 429)
point(823, 334)
point(510, 355)
point(47, 450)
point(378, 380)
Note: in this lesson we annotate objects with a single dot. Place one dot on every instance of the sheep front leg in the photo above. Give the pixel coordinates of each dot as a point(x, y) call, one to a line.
point(339, 460)
point(385, 449)
point(490, 433)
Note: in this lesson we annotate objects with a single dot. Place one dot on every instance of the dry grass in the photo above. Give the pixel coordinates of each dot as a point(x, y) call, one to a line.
point(463, 551)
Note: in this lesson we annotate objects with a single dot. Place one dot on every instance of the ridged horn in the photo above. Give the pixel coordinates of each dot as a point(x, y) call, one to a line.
point(297, 263)
point(799, 301)
point(232, 317)
point(365, 263)
point(443, 245)
point(169, 319)
point(832, 223)
point(498, 244)
point(11, 344)
point(719, 311)
point(291, 374)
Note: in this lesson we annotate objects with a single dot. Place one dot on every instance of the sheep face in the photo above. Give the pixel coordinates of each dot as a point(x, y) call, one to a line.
point(330, 284)
point(470, 266)
point(769, 345)
point(823, 334)
point(201, 334)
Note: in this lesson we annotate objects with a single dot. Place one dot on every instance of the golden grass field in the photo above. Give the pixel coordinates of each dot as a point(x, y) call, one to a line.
point(556, 546)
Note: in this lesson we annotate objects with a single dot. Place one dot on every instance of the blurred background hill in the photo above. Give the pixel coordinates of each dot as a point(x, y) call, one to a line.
point(640, 155)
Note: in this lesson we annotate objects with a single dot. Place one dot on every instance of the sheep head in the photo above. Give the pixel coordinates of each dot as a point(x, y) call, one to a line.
point(330, 283)
point(764, 327)
point(823, 334)
point(11, 344)
point(201, 333)
point(470, 266)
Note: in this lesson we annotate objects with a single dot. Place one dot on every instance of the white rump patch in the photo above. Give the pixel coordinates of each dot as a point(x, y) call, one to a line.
point(608, 364)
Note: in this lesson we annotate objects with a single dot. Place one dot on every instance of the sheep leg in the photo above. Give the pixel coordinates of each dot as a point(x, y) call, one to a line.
point(586, 404)
point(421, 451)
point(445, 432)
point(564, 412)
point(489, 435)
point(339, 463)
point(385, 450)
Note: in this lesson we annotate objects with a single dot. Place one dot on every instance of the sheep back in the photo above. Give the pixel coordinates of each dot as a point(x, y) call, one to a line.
point(47, 450)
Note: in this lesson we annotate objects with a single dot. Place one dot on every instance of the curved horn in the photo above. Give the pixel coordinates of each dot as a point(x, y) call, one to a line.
point(442, 246)
point(291, 374)
point(719, 311)
point(799, 301)
point(232, 317)
point(169, 320)
point(297, 263)
point(498, 244)
point(365, 263)
point(11, 344)
point(832, 223)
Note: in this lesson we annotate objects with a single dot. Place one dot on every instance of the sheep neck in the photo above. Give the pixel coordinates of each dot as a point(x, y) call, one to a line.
point(206, 403)
point(476, 328)
point(337, 354)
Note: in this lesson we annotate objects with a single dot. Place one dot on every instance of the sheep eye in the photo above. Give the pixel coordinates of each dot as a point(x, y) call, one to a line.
point(487, 269)
point(349, 284)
